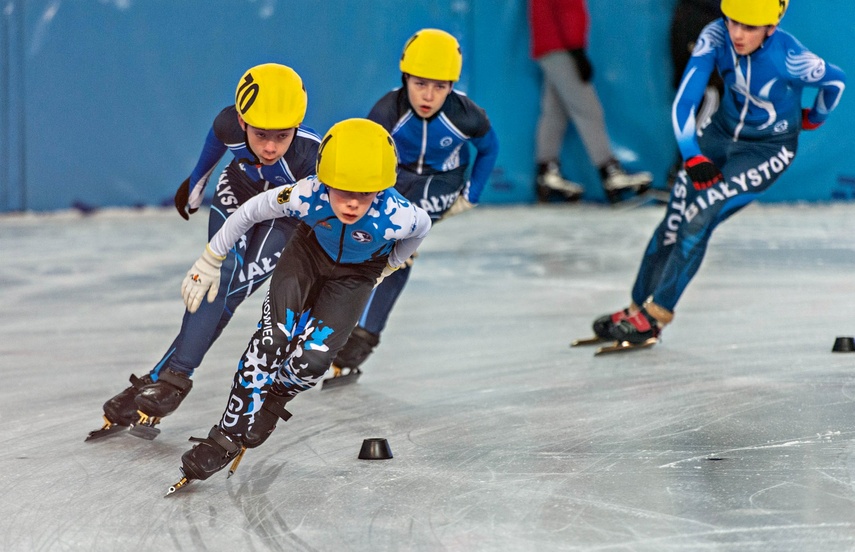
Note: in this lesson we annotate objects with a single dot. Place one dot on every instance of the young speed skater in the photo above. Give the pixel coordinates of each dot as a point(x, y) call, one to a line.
point(264, 131)
point(746, 146)
point(354, 229)
point(432, 125)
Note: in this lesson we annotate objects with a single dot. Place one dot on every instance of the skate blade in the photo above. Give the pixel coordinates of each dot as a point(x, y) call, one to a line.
point(649, 196)
point(593, 340)
point(340, 381)
point(144, 428)
point(108, 430)
point(144, 431)
point(619, 346)
point(236, 462)
point(182, 483)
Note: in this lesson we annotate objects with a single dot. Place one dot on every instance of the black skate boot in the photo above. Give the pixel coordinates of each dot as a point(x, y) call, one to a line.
point(159, 399)
point(346, 365)
point(272, 410)
point(121, 411)
point(603, 325)
point(643, 327)
point(208, 457)
point(550, 184)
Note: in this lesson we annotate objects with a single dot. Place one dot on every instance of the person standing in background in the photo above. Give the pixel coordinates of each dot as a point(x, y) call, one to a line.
point(559, 42)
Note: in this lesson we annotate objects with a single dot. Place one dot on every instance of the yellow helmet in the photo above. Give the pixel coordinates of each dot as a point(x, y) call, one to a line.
point(757, 13)
point(357, 155)
point(271, 96)
point(432, 54)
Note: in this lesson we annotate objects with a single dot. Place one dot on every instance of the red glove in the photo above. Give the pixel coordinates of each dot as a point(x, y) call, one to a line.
point(806, 124)
point(703, 172)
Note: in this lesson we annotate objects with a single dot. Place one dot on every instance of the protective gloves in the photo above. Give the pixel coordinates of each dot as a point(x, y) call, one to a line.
point(460, 205)
point(703, 172)
point(182, 196)
point(202, 278)
point(806, 124)
point(583, 64)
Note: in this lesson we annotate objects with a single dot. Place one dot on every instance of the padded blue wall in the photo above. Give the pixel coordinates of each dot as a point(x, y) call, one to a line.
point(107, 102)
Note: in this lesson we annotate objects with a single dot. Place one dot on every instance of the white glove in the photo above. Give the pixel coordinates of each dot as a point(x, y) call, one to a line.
point(203, 277)
point(460, 205)
point(387, 270)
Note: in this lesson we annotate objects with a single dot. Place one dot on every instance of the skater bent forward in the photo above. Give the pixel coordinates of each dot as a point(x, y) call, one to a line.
point(263, 129)
point(353, 231)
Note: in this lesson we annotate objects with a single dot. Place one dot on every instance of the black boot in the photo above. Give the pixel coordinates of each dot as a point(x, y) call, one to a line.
point(210, 455)
point(161, 398)
point(271, 411)
point(122, 409)
point(358, 348)
point(642, 326)
point(603, 325)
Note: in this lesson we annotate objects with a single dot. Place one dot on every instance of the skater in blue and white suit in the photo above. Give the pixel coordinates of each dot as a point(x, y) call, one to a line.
point(734, 157)
point(263, 130)
point(354, 230)
point(433, 126)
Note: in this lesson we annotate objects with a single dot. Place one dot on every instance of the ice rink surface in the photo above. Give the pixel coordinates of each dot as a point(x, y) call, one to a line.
point(735, 433)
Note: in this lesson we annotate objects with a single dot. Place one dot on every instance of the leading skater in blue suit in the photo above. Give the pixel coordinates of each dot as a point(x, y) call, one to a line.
point(730, 159)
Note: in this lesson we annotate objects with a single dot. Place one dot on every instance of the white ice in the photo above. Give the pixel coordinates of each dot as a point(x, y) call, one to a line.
point(735, 433)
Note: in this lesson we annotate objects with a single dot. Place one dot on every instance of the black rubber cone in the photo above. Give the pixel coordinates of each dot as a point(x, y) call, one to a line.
point(375, 449)
point(843, 345)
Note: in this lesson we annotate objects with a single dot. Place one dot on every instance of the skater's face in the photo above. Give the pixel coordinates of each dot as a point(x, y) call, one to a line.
point(349, 207)
point(268, 145)
point(427, 95)
point(747, 38)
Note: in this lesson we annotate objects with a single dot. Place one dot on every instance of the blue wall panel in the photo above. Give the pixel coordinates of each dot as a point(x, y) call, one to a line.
point(107, 102)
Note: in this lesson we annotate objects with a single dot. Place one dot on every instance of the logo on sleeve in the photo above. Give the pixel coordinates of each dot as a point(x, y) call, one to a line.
point(285, 195)
point(361, 236)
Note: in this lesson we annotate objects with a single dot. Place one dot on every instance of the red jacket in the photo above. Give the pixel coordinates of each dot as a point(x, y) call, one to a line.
point(557, 25)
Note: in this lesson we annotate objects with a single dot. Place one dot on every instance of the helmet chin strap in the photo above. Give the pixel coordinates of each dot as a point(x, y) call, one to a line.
point(255, 160)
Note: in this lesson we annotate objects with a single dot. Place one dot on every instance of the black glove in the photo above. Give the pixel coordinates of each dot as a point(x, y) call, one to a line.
point(703, 172)
point(583, 64)
point(182, 196)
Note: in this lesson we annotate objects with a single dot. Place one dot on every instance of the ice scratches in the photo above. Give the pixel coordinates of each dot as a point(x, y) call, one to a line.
point(674, 542)
point(723, 454)
point(262, 515)
point(191, 529)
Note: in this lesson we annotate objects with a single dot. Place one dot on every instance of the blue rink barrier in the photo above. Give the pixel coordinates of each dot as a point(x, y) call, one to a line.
point(107, 102)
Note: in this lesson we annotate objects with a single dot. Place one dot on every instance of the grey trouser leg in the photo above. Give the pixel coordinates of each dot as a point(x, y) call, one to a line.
point(565, 96)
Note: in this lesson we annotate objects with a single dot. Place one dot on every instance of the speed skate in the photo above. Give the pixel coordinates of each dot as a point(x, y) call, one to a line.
point(341, 377)
point(613, 346)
